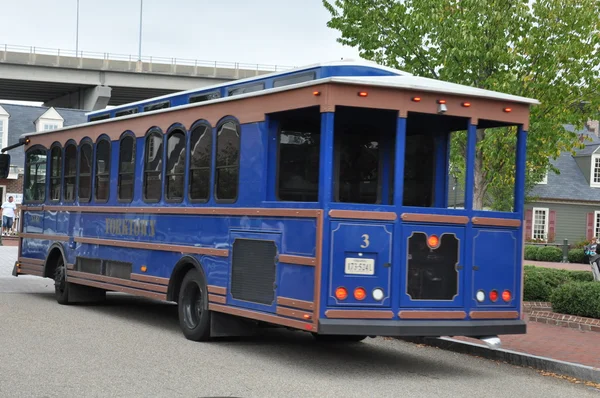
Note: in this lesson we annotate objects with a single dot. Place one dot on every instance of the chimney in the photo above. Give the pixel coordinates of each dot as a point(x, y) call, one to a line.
point(594, 127)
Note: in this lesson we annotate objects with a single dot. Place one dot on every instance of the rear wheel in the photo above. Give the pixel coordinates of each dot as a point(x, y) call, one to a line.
point(61, 286)
point(194, 316)
point(333, 338)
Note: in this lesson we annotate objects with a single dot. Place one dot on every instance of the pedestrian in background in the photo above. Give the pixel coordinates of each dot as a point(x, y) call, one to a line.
point(8, 215)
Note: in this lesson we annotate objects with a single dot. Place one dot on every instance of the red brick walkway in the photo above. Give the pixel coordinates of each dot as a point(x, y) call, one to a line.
point(554, 342)
point(10, 241)
point(569, 266)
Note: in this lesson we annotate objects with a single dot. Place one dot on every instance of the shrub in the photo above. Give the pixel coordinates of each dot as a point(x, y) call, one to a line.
point(581, 276)
point(577, 298)
point(577, 256)
point(550, 253)
point(531, 252)
point(539, 282)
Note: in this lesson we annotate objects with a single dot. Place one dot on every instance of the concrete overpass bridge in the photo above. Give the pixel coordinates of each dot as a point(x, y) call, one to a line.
point(91, 81)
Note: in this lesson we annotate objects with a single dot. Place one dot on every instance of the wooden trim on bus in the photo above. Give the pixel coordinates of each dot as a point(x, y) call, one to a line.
point(496, 222)
point(432, 314)
point(291, 313)
point(398, 99)
point(150, 279)
point(21, 271)
point(56, 238)
point(216, 211)
point(217, 290)
point(154, 246)
point(493, 314)
point(245, 110)
point(297, 260)
point(30, 267)
point(364, 215)
point(33, 261)
point(70, 266)
point(117, 281)
point(214, 298)
point(118, 288)
point(318, 270)
point(434, 218)
point(32, 208)
point(358, 314)
point(294, 303)
point(262, 317)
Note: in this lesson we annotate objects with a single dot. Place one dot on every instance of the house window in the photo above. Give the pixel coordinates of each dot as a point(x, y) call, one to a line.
point(597, 224)
point(595, 180)
point(48, 126)
point(545, 179)
point(540, 223)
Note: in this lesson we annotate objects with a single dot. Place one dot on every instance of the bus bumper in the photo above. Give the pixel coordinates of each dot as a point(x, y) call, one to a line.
point(420, 328)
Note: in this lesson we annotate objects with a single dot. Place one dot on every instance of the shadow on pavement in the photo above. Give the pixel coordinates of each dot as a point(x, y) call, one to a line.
point(285, 347)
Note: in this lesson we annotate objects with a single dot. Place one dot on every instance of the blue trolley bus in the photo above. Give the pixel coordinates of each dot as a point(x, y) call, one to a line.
point(319, 199)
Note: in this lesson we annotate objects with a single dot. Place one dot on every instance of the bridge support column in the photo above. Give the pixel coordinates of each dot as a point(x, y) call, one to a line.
point(89, 99)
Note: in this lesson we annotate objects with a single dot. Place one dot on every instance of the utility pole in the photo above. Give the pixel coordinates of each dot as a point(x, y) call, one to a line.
point(140, 44)
point(77, 33)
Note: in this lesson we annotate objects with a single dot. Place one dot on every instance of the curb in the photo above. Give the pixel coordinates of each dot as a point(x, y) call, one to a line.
point(582, 372)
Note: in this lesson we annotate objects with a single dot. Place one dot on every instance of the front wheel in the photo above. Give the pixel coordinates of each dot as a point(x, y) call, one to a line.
point(61, 286)
point(194, 316)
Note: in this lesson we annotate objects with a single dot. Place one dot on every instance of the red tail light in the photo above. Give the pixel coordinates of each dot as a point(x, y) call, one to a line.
point(360, 293)
point(341, 293)
point(493, 295)
point(506, 295)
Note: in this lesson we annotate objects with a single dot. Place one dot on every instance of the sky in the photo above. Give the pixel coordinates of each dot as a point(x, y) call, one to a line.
point(273, 32)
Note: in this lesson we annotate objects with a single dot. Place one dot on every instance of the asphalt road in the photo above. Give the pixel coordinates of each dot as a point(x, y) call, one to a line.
point(130, 347)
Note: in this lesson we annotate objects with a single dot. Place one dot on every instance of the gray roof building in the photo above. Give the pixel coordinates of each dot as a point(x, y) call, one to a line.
point(579, 178)
point(16, 120)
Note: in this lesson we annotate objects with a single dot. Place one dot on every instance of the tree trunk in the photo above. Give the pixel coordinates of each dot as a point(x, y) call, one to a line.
point(480, 186)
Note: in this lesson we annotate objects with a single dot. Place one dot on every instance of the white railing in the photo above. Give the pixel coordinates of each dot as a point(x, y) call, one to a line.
point(145, 59)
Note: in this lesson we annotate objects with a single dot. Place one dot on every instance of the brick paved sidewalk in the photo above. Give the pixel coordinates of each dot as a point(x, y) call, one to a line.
point(569, 266)
point(554, 342)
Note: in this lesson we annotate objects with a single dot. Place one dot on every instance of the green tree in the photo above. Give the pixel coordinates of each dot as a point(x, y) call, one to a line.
point(544, 49)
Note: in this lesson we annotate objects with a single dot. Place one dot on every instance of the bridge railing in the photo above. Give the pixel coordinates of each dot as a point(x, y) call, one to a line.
point(43, 56)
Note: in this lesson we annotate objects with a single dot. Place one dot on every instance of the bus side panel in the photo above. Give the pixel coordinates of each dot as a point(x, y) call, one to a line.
point(496, 262)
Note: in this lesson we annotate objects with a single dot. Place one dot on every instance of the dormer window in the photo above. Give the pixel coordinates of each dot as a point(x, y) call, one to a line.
point(595, 172)
point(544, 179)
point(50, 120)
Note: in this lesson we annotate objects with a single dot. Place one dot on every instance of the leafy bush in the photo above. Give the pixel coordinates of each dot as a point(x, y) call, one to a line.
point(539, 282)
point(581, 244)
point(577, 256)
point(577, 298)
point(550, 254)
point(531, 253)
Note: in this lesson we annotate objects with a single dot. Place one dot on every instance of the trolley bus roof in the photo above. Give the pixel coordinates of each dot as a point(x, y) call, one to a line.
point(402, 80)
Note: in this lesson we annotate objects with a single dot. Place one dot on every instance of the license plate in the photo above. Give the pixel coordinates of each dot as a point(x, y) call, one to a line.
point(360, 266)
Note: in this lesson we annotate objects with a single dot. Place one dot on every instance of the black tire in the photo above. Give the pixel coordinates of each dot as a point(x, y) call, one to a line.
point(61, 286)
point(194, 316)
point(332, 338)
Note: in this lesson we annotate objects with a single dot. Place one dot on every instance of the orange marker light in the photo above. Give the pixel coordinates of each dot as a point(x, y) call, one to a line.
point(493, 295)
point(306, 316)
point(433, 241)
point(416, 99)
point(466, 104)
point(360, 293)
point(506, 296)
point(341, 293)
point(362, 93)
point(441, 101)
point(507, 110)
point(316, 93)
point(143, 268)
